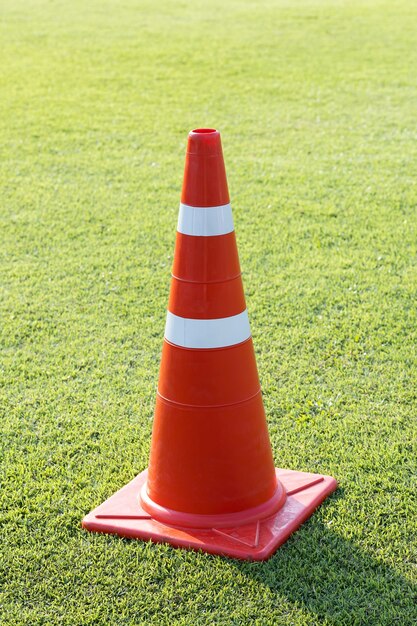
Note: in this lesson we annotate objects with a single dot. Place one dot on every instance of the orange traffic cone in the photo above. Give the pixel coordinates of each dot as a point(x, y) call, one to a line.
point(211, 482)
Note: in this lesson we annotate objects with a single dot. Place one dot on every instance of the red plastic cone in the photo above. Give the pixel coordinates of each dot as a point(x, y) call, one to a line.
point(211, 481)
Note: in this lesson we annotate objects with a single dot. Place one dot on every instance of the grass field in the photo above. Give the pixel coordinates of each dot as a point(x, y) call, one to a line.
point(316, 102)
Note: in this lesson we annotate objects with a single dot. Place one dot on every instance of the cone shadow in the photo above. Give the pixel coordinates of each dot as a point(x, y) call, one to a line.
point(334, 580)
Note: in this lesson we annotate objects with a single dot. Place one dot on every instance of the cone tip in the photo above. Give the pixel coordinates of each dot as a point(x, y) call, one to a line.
point(204, 142)
point(204, 131)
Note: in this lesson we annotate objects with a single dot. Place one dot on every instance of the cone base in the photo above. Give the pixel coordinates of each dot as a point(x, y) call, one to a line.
point(123, 515)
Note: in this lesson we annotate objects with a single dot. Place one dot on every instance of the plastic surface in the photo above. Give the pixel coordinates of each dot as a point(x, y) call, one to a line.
point(172, 517)
point(206, 300)
point(205, 183)
point(206, 259)
point(210, 459)
point(209, 378)
point(210, 450)
point(211, 481)
point(122, 514)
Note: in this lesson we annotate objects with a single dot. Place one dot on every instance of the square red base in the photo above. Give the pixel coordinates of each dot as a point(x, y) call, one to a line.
point(123, 515)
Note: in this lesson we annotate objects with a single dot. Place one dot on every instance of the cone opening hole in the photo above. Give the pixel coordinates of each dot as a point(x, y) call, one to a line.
point(205, 131)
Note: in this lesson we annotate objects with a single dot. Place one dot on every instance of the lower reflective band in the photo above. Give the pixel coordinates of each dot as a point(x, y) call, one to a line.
point(215, 333)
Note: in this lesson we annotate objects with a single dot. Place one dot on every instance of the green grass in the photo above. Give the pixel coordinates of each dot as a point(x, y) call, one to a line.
point(316, 102)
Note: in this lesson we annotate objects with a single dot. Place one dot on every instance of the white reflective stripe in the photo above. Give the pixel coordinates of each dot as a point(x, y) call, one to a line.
point(216, 333)
point(205, 222)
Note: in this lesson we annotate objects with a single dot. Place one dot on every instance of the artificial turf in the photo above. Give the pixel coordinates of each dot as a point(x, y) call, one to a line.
point(316, 102)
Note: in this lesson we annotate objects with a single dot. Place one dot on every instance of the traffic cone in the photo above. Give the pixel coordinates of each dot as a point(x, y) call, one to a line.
point(211, 482)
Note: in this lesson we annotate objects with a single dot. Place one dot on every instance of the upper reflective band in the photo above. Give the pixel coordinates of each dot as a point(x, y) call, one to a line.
point(205, 222)
point(215, 333)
